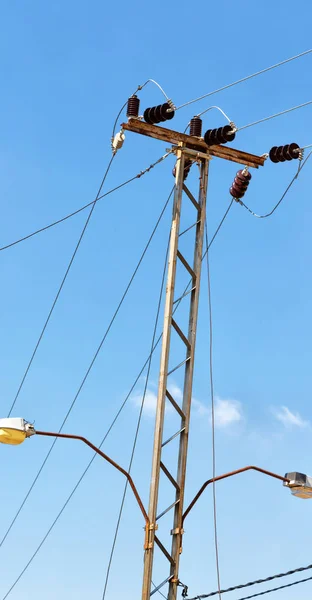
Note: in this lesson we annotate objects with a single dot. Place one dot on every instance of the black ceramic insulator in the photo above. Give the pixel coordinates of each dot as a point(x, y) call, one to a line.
point(283, 153)
point(158, 114)
point(196, 126)
point(133, 106)
point(222, 135)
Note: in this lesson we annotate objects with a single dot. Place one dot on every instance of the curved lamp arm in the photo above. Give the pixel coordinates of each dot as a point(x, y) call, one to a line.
point(107, 458)
point(224, 476)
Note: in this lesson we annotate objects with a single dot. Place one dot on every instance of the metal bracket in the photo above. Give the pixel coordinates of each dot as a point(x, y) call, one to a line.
point(177, 530)
point(193, 153)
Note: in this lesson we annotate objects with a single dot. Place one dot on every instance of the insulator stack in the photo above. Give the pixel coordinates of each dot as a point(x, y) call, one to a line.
point(282, 153)
point(133, 106)
point(222, 135)
point(240, 184)
point(187, 166)
point(196, 126)
point(158, 114)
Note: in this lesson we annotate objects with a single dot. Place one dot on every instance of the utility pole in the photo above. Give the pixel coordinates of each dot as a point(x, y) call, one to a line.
point(187, 149)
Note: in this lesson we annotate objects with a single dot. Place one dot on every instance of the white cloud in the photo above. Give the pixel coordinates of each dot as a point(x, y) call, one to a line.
point(227, 412)
point(150, 403)
point(200, 408)
point(288, 418)
point(175, 391)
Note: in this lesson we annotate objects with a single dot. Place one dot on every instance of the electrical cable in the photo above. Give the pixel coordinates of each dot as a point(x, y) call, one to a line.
point(212, 412)
point(225, 87)
point(138, 422)
point(256, 582)
point(219, 226)
point(75, 212)
point(157, 84)
point(283, 195)
point(218, 108)
point(122, 406)
point(60, 288)
point(138, 89)
point(281, 587)
point(90, 366)
point(283, 112)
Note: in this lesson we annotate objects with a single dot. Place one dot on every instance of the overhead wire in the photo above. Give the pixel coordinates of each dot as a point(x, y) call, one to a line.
point(138, 422)
point(60, 288)
point(255, 582)
point(122, 406)
point(225, 87)
point(283, 112)
point(213, 442)
point(82, 208)
point(300, 167)
point(281, 587)
point(89, 367)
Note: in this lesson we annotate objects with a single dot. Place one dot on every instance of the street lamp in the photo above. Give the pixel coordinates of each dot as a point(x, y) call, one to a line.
point(14, 431)
point(299, 484)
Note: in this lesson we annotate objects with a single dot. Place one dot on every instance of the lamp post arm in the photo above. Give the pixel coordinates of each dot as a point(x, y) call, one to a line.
point(224, 476)
point(107, 458)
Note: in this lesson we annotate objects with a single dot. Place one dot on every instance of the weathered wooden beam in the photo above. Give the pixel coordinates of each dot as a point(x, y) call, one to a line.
point(174, 137)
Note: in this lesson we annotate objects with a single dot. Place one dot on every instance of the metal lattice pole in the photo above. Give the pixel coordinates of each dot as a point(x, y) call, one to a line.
point(189, 341)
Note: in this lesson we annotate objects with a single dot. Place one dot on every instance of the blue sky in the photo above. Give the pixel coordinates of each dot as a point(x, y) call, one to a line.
point(66, 68)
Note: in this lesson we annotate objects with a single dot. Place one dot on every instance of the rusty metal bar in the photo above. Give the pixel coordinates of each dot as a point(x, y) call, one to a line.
point(175, 405)
point(224, 476)
point(186, 265)
point(180, 333)
point(175, 137)
point(191, 197)
point(163, 549)
point(171, 479)
point(107, 458)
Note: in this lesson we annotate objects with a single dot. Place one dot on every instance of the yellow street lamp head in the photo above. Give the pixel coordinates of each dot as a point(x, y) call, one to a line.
point(14, 431)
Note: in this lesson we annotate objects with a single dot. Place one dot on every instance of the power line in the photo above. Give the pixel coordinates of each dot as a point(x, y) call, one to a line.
point(140, 87)
point(283, 112)
point(283, 195)
point(122, 406)
point(256, 582)
point(225, 87)
point(60, 288)
point(82, 208)
point(138, 423)
point(90, 365)
point(212, 413)
point(281, 587)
